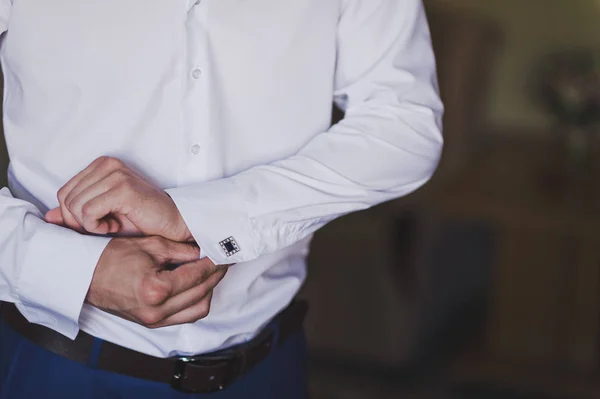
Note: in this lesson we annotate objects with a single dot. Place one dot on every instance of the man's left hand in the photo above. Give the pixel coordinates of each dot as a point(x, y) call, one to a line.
point(108, 197)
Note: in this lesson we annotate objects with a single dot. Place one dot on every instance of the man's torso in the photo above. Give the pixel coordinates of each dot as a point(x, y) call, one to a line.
point(184, 93)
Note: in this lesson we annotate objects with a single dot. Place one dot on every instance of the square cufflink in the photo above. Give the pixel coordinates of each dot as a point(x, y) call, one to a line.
point(229, 246)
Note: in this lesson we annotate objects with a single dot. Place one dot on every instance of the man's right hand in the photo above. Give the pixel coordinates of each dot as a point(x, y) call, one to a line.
point(132, 280)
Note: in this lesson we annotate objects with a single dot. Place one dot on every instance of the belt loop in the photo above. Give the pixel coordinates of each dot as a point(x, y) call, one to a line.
point(95, 353)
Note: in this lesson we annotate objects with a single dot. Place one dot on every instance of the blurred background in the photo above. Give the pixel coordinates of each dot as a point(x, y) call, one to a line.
point(484, 283)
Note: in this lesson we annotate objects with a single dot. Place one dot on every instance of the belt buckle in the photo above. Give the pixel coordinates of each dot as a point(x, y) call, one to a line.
point(182, 365)
point(234, 361)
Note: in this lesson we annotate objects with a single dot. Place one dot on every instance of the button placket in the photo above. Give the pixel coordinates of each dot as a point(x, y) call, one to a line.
point(195, 108)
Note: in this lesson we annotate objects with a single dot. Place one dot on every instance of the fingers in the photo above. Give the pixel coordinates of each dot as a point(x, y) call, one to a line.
point(168, 252)
point(191, 305)
point(132, 282)
point(54, 216)
point(110, 198)
point(157, 285)
point(165, 306)
point(188, 315)
point(92, 204)
point(97, 171)
point(68, 218)
point(189, 275)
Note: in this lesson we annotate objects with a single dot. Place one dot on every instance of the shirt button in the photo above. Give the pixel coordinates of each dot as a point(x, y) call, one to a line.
point(196, 73)
point(197, 2)
point(195, 149)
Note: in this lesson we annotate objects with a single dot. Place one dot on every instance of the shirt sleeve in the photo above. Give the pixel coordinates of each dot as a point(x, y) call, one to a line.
point(5, 9)
point(387, 146)
point(46, 270)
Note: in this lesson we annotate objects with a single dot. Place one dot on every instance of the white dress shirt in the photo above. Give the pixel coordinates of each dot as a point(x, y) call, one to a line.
point(226, 104)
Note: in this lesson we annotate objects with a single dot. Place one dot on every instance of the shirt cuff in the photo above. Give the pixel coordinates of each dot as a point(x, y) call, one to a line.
point(215, 213)
point(56, 277)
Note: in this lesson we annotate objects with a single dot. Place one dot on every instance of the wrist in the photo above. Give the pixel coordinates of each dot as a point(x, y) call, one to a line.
point(184, 234)
point(181, 231)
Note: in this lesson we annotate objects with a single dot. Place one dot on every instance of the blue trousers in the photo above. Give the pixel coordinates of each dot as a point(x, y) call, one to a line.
point(28, 371)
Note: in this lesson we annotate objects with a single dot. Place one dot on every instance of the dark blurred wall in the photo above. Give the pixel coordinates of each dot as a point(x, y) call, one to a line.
point(531, 28)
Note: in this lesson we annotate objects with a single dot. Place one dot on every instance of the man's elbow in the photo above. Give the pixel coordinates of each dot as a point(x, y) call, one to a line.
point(433, 161)
point(422, 171)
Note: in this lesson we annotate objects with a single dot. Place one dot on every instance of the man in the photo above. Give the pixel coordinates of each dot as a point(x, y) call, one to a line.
point(170, 160)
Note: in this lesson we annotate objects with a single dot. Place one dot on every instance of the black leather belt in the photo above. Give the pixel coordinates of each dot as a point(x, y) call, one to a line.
point(198, 374)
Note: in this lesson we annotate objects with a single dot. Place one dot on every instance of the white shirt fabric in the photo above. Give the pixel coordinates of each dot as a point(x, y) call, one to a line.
point(226, 104)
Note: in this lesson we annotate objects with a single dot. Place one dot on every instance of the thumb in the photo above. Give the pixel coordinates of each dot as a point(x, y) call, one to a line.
point(55, 216)
point(180, 252)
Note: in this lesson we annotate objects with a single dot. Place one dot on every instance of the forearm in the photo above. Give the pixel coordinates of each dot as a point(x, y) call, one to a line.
point(269, 207)
point(387, 145)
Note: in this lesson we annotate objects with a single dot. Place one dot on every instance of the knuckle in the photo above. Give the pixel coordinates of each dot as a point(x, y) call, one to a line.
point(154, 292)
point(150, 317)
point(86, 210)
point(203, 309)
point(154, 326)
point(122, 174)
point(89, 223)
point(68, 203)
point(123, 180)
point(62, 194)
point(113, 163)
